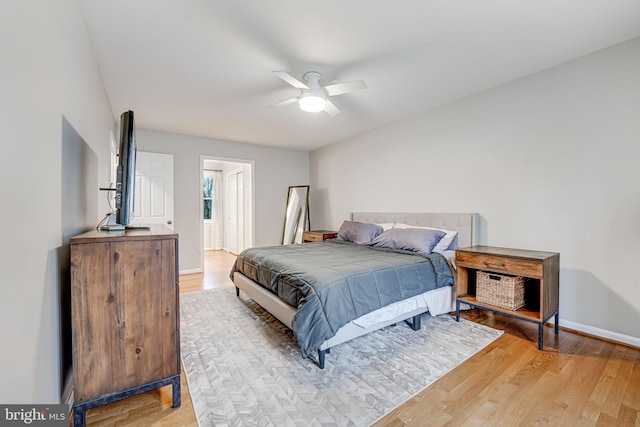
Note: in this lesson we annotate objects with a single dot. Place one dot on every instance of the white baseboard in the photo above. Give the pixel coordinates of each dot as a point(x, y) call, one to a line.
point(67, 393)
point(602, 333)
point(192, 271)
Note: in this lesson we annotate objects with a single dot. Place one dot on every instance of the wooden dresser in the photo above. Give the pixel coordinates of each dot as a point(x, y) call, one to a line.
point(541, 271)
point(125, 316)
point(318, 235)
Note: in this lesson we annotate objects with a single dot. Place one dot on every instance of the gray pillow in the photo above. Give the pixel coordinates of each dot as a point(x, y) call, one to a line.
point(410, 239)
point(358, 232)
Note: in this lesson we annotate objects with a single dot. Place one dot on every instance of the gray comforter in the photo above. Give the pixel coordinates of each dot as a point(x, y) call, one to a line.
point(332, 283)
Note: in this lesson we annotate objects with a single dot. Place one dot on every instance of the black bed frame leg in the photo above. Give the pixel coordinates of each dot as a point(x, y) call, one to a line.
point(237, 291)
point(415, 325)
point(321, 354)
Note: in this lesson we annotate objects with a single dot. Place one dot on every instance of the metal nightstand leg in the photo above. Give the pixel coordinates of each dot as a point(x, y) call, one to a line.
point(540, 334)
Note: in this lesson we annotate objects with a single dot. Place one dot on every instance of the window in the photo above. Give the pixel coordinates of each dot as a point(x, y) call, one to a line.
point(207, 196)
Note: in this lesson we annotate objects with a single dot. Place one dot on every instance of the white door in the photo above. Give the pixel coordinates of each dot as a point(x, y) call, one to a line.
point(235, 211)
point(154, 189)
point(232, 213)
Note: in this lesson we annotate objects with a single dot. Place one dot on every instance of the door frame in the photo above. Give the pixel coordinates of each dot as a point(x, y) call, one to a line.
point(252, 199)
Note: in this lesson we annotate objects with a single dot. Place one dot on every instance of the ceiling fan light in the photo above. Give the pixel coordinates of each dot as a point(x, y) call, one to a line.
point(312, 103)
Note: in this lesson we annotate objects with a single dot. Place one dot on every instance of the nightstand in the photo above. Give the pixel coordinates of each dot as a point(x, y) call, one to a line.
point(318, 235)
point(541, 271)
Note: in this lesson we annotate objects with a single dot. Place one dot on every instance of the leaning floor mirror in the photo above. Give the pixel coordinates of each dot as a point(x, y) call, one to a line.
point(296, 216)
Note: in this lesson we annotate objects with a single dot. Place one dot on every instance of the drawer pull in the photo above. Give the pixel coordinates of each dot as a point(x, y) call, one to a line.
point(493, 264)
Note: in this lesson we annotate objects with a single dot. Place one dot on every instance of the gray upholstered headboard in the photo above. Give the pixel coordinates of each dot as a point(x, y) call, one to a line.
point(466, 224)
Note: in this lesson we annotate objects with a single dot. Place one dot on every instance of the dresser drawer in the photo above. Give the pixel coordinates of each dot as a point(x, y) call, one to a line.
point(499, 263)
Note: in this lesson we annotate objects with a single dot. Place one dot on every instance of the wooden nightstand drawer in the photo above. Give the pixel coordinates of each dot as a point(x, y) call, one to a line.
point(312, 237)
point(318, 235)
point(498, 263)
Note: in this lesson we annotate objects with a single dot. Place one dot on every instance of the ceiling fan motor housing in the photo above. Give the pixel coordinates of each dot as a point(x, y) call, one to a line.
point(313, 82)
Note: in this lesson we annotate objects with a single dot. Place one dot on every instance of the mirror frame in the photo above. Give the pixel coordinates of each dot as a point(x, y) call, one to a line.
point(303, 223)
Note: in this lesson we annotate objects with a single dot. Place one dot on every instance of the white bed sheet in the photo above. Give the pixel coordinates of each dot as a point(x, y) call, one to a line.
point(437, 301)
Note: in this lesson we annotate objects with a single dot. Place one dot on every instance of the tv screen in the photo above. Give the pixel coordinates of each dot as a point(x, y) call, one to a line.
point(126, 173)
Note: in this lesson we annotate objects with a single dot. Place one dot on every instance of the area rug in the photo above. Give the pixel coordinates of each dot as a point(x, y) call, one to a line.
point(244, 367)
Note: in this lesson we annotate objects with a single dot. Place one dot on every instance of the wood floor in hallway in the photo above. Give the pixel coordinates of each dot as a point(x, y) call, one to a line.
point(217, 266)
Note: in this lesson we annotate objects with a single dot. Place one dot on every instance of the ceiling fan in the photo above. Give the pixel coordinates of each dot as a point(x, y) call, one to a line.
point(314, 97)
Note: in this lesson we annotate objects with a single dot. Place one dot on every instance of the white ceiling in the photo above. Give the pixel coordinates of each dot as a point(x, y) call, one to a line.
point(204, 67)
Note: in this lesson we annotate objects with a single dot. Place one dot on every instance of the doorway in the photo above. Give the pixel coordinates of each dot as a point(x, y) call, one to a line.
point(226, 210)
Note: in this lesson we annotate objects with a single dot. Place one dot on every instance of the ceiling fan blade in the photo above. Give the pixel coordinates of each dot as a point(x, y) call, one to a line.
point(340, 88)
point(285, 102)
point(331, 109)
point(291, 80)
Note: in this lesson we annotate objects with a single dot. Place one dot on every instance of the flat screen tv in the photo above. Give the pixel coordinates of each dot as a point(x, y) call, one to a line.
point(125, 175)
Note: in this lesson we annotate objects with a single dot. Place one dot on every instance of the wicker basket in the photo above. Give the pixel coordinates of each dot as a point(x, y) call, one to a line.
point(500, 290)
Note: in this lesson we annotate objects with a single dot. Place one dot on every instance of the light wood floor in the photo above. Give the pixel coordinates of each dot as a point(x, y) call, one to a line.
point(575, 380)
point(217, 266)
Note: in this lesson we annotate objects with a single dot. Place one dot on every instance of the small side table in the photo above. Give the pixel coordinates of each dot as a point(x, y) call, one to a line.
point(540, 269)
point(318, 235)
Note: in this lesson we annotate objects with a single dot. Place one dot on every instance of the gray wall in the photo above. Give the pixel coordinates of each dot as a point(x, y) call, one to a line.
point(550, 161)
point(274, 171)
point(55, 120)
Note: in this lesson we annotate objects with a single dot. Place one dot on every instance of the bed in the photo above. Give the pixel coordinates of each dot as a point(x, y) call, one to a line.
point(359, 289)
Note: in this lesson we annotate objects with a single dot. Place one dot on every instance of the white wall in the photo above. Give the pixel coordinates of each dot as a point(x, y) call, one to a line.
point(55, 120)
point(550, 161)
point(274, 171)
